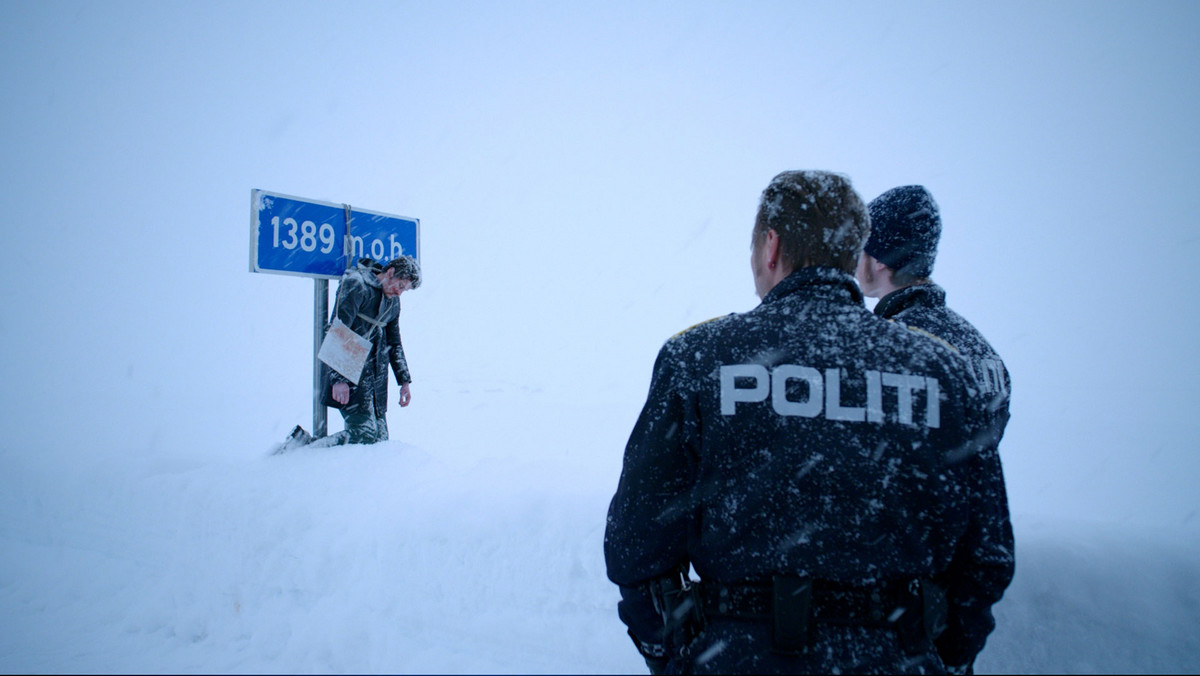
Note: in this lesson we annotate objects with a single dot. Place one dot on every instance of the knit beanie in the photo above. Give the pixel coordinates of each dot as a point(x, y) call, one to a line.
point(905, 227)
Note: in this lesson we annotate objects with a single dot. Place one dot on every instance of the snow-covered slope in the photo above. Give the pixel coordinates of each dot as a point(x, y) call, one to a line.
point(572, 217)
point(478, 553)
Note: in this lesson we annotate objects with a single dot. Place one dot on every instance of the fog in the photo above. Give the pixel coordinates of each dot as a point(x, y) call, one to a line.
point(586, 176)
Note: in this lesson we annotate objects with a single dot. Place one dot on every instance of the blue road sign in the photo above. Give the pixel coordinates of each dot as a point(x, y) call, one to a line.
point(297, 236)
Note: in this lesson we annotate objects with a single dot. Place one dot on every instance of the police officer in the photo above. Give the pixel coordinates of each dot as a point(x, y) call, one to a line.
point(895, 266)
point(808, 462)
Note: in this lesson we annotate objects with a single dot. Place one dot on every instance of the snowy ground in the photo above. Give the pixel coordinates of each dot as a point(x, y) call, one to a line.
point(475, 550)
point(586, 175)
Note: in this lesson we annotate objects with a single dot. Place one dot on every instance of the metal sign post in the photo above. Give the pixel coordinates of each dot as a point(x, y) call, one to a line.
point(311, 238)
point(320, 312)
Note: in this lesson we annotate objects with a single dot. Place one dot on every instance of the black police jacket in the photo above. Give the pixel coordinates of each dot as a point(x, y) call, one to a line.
point(923, 307)
point(989, 539)
point(804, 437)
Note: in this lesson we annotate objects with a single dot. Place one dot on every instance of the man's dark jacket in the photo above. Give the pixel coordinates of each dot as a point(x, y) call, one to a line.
point(804, 437)
point(362, 306)
point(923, 307)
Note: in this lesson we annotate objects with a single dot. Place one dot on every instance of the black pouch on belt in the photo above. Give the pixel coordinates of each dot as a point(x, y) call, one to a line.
point(924, 615)
point(791, 607)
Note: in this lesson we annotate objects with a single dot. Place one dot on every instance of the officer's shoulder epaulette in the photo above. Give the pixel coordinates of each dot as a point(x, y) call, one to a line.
point(706, 321)
point(920, 331)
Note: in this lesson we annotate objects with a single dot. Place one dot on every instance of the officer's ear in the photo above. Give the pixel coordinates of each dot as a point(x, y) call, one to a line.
point(770, 249)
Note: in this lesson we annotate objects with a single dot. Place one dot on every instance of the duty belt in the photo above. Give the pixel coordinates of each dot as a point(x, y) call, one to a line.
point(830, 602)
point(915, 608)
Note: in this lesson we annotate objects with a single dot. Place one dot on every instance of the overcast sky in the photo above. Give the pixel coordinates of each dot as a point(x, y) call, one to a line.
point(586, 176)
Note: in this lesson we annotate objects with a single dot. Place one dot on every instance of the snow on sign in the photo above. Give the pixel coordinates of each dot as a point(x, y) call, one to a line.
point(310, 238)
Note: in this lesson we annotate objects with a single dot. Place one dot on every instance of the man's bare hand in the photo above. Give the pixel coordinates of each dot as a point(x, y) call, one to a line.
point(405, 395)
point(341, 393)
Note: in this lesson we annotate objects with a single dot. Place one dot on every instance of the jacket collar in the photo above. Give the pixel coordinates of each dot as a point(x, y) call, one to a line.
point(367, 269)
point(917, 295)
point(817, 281)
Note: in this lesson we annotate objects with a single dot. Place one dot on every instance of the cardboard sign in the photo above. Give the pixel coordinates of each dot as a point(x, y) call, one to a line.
point(344, 351)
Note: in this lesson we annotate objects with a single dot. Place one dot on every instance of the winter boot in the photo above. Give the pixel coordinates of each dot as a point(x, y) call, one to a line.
point(299, 437)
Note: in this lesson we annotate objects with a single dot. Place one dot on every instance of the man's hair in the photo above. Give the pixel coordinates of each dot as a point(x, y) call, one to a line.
point(818, 216)
point(901, 279)
point(405, 267)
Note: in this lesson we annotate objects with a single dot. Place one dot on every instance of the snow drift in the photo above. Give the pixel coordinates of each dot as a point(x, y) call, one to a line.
point(482, 554)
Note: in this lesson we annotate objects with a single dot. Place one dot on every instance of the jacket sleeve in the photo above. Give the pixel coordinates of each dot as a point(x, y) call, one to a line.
point(395, 348)
point(651, 512)
point(983, 563)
